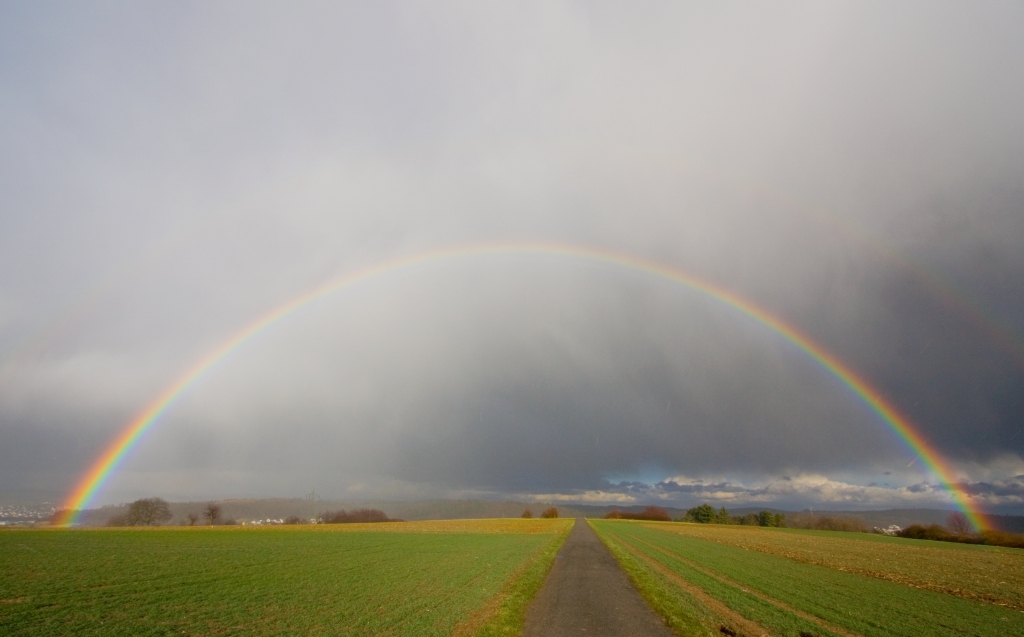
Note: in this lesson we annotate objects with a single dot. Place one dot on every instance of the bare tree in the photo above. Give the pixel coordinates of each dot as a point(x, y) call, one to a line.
point(212, 513)
point(145, 512)
point(193, 517)
point(550, 513)
point(959, 524)
point(527, 513)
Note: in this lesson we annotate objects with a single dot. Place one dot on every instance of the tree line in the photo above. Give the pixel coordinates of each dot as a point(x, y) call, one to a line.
point(703, 514)
point(551, 512)
point(156, 511)
point(706, 514)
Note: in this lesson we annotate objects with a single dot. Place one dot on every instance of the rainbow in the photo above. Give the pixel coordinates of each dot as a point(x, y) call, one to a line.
point(104, 467)
point(997, 329)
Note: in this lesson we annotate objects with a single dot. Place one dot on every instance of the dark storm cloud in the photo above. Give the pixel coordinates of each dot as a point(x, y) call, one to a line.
point(170, 174)
point(1010, 488)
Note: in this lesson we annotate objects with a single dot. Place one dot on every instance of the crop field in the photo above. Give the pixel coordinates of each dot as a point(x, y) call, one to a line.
point(714, 580)
point(465, 577)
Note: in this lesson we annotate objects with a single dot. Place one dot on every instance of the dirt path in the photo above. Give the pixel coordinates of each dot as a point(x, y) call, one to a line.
point(587, 593)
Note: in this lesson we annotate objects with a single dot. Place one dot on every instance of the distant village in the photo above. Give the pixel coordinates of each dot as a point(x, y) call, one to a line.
point(26, 514)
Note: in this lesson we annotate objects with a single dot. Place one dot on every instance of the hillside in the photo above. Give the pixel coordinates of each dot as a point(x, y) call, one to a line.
point(280, 508)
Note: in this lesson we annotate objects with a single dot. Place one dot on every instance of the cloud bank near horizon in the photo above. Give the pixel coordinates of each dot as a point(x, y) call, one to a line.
point(171, 173)
point(794, 492)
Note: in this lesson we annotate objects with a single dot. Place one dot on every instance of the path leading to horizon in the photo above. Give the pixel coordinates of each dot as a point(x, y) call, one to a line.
point(586, 593)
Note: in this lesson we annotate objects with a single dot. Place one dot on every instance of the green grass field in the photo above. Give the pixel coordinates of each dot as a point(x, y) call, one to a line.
point(464, 578)
point(785, 582)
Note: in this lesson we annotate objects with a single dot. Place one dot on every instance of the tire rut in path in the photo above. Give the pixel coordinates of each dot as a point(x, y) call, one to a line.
point(586, 593)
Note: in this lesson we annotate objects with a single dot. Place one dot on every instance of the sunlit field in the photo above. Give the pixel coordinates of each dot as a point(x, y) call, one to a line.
point(466, 577)
point(713, 580)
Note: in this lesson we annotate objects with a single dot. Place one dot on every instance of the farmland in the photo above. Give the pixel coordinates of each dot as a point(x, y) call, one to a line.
point(710, 579)
point(426, 578)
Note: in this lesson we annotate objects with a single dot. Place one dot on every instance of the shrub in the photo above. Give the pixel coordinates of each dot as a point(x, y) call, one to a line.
point(767, 518)
point(826, 523)
point(750, 519)
point(659, 514)
point(1001, 538)
point(550, 513)
point(527, 513)
point(933, 532)
point(941, 534)
point(654, 513)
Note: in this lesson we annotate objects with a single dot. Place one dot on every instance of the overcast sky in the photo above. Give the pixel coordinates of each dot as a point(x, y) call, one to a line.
point(170, 172)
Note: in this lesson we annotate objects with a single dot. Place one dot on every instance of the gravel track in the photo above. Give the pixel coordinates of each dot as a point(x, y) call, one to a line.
point(587, 593)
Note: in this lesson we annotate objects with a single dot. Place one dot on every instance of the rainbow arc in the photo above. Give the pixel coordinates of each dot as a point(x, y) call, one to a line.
point(105, 466)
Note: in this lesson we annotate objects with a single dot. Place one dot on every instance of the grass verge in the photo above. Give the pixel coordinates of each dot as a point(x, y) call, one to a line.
point(681, 610)
point(505, 614)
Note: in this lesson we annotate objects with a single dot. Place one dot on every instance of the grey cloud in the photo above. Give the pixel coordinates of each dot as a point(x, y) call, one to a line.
point(698, 488)
point(170, 175)
point(1009, 488)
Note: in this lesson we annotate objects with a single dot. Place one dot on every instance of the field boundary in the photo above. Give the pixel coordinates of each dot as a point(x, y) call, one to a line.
point(505, 612)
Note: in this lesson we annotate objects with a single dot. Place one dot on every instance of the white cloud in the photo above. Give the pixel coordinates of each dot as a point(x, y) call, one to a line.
point(820, 490)
point(586, 497)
